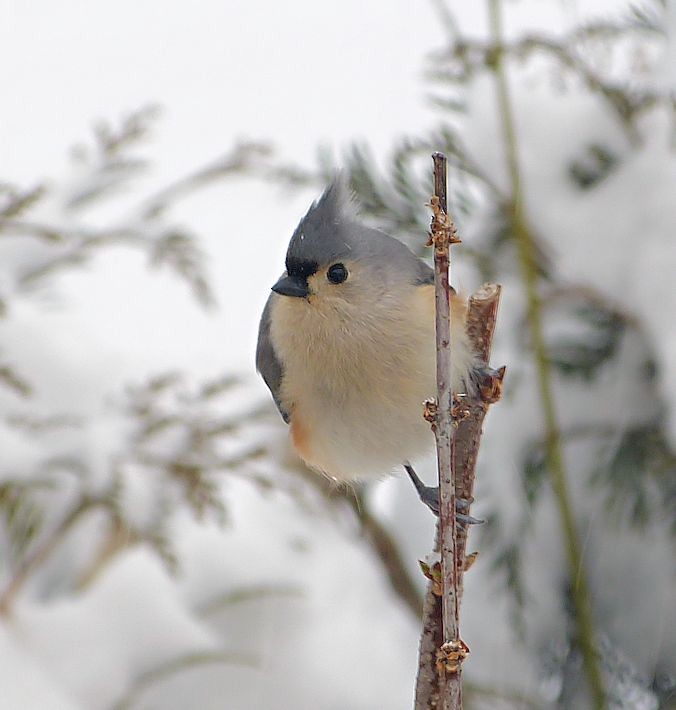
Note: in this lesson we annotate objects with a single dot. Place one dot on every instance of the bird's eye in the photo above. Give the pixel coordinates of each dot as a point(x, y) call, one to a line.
point(336, 274)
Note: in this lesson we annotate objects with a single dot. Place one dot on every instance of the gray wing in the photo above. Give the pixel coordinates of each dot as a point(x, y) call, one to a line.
point(425, 274)
point(267, 362)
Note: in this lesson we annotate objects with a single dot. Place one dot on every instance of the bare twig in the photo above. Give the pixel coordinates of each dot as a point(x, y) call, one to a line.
point(442, 651)
point(439, 413)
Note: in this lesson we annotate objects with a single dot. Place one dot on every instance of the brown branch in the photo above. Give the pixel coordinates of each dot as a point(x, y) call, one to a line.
point(427, 689)
point(450, 653)
point(441, 650)
point(481, 318)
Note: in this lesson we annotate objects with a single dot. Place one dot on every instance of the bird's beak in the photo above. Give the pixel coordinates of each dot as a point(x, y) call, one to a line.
point(292, 286)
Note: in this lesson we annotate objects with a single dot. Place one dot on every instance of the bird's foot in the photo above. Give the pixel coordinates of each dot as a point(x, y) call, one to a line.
point(429, 495)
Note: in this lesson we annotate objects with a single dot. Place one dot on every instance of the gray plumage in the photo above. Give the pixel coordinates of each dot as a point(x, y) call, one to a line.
point(331, 231)
point(267, 362)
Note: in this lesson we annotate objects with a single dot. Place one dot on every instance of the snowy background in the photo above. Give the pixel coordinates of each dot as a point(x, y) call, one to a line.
point(248, 589)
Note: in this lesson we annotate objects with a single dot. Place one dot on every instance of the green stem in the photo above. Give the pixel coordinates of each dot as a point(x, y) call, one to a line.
point(554, 449)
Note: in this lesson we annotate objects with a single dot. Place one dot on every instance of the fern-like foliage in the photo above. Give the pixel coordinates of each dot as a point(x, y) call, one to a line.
point(182, 439)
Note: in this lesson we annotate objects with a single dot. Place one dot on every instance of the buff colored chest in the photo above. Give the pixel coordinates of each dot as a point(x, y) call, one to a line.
point(355, 385)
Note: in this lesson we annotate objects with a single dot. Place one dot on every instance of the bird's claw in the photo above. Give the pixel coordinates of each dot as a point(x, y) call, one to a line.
point(466, 519)
point(429, 495)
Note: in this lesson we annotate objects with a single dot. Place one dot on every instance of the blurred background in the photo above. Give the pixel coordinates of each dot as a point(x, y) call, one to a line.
point(160, 546)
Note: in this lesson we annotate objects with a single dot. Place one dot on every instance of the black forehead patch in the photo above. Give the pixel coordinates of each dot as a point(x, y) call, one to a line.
point(301, 267)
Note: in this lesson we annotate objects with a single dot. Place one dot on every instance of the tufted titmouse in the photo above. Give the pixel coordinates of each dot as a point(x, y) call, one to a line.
point(347, 346)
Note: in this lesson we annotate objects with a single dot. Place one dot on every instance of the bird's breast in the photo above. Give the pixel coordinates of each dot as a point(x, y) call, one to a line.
point(355, 387)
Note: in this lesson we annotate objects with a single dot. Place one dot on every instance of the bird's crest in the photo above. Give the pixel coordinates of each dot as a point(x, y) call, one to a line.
point(323, 234)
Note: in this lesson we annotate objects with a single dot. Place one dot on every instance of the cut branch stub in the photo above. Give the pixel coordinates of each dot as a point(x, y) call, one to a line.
point(490, 385)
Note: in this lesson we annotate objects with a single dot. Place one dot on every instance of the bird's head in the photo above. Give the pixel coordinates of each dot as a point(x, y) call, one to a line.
point(336, 264)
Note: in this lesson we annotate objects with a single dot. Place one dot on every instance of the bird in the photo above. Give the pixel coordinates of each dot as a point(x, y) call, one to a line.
point(347, 347)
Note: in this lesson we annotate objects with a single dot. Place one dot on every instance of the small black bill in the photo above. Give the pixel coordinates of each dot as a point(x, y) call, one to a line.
point(292, 286)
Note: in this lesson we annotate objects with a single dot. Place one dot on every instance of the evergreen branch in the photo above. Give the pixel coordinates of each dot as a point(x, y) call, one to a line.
point(15, 202)
point(627, 103)
point(376, 534)
point(253, 592)
point(177, 665)
point(242, 158)
point(389, 554)
point(43, 551)
point(16, 382)
point(118, 538)
point(108, 166)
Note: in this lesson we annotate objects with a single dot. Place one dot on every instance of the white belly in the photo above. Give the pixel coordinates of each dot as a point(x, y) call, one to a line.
point(374, 424)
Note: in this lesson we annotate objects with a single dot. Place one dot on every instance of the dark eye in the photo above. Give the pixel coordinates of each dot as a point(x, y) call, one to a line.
point(336, 273)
